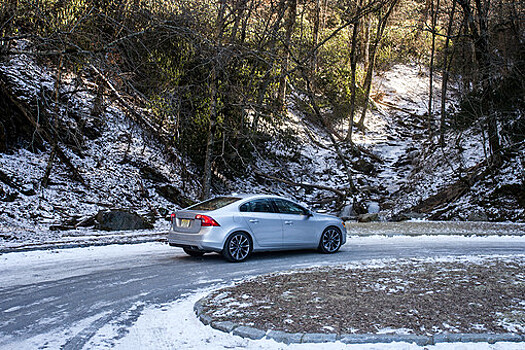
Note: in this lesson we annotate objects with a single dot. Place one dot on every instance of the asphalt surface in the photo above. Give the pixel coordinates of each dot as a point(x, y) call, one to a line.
point(55, 298)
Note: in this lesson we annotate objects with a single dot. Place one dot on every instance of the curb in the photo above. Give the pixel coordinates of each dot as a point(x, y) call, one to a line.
point(302, 338)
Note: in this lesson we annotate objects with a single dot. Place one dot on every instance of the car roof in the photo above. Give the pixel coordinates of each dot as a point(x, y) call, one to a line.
point(253, 196)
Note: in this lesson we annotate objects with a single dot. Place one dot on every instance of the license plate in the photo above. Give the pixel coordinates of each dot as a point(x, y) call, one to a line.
point(185, 222)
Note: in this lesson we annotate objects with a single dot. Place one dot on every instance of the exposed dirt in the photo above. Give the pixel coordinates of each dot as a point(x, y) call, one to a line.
point(401, 296)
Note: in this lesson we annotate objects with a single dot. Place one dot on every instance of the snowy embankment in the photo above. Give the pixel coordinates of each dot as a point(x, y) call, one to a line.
point(121, 165)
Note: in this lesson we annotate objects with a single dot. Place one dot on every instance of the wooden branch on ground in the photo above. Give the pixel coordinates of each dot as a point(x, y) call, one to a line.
point(369, 153)
point(452, 192)
point(325, 200)
point(300, 184)
point(393, 106)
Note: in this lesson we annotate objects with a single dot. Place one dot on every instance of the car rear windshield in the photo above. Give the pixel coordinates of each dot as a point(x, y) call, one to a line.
point(214, 204)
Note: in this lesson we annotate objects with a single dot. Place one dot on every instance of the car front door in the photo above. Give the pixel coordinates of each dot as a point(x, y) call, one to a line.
point(264, 222)
point(298, 227)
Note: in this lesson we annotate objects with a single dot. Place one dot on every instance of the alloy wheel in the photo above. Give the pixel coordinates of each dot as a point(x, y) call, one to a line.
point(331, 240)
point(239, 247)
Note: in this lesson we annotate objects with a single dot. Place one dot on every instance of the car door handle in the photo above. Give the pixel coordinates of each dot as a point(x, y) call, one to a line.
point(288, 222)
point(254, 221)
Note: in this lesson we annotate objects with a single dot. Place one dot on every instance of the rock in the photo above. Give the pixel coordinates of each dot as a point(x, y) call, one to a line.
point(27, 189)
point(225, 326)
point(408, 216)
point(92, 128)
point(368, 217)
point(86, 221)
point(364, 167)
point(319, 338)
point(152, 174)
point(373, 207)
point(249, 332)
point(477, 216)
point(6, 195)
point(115, 220)
point(61, 228)
point(413, 154)
point(172, 194)
point(348, 212)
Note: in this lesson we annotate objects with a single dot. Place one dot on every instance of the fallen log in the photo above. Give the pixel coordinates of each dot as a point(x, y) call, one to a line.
point(300, 184)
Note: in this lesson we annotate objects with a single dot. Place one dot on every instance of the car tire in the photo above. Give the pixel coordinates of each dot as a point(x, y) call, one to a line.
point(193, 252)
point(238, 247)
point(331, 240)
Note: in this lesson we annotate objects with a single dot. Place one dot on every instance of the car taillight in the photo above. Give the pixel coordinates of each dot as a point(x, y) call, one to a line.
point(206, 220)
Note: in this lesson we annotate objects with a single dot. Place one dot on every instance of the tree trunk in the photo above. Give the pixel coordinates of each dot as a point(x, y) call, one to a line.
point(447, 61)
point(289, 24)
point(480, 39)
point(434, 11)
point(323, 122)
point(266, 80)
point(315, 40)
point(381, 25)
point(353, 69)
point(214, 85)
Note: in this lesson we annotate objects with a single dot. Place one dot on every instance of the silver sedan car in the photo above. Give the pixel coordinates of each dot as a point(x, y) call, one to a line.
point(236, 226)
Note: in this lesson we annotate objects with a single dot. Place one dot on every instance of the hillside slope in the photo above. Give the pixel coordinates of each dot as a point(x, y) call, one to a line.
point(119, 163)
point(107, 159)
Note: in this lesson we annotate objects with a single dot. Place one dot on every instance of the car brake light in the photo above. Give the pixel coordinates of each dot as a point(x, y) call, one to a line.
point(206, 220)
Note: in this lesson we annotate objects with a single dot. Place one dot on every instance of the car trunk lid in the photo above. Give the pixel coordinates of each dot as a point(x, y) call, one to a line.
point(184, 221)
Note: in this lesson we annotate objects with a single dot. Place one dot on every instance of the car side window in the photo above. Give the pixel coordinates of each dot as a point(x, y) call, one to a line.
point(257, 206)
point(287, 207)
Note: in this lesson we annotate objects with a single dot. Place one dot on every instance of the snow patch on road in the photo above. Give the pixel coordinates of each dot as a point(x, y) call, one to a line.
point(53, 340)
point(22, 268)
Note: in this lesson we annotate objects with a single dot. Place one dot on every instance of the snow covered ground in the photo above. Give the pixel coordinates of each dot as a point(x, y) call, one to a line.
point(173, 325)
point(123, 167)
point(153, 329)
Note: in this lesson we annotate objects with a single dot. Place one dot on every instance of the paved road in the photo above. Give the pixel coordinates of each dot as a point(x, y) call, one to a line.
point(41, 295)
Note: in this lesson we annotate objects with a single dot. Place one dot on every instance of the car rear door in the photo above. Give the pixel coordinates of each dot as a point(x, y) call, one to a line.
point(265, 223)
point(299, 229)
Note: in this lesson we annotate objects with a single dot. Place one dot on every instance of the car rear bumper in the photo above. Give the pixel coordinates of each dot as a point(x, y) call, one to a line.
point(209, 240)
